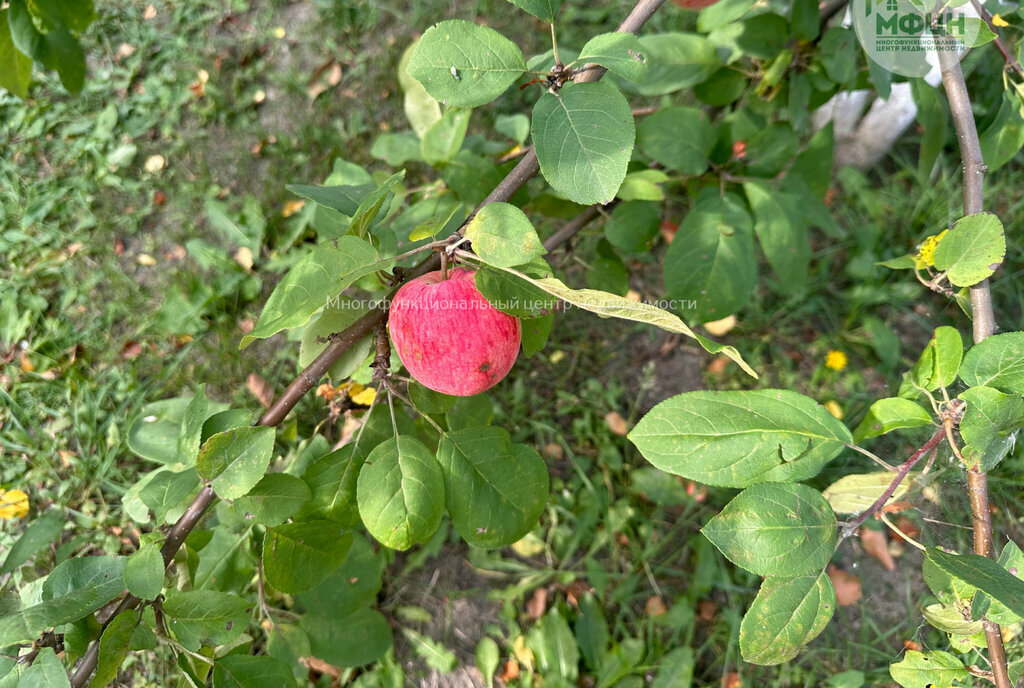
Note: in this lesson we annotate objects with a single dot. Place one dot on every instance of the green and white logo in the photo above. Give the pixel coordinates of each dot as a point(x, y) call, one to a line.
point(907, 36)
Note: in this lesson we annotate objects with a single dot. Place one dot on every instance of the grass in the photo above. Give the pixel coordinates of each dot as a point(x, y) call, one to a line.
point(121, 284)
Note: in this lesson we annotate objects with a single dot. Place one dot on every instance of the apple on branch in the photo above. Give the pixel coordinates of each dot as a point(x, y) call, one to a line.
point(449, 337)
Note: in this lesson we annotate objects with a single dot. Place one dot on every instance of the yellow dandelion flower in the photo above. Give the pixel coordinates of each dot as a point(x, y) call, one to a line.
point(835, 360)
point(926, 254)
point(13, 504)
point(997, 20)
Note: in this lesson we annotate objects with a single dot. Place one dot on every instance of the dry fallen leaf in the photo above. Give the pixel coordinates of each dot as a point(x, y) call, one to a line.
point(145, 260)
point(320, 666)
point(246, 325)
point(510, 671)
point(912, 645)
point(26, 363)
point(243, 256)
point(554, 450)
point(616, 423)
point(907, 527)
point(876, 543)
point(720, 328)
point(634, 295)
point(668, 230)
point(155, 163)
point(655, 606)
point(149, 12)
point(538, 603)
point(576, 590)
point(159, 198)
point(131, 349)
point(718, 365)
point(118, 247)
point(292, 207)
point(706, 610)
point(125, 50)
point(847, 586)
point(260, 389)
point(731, 680)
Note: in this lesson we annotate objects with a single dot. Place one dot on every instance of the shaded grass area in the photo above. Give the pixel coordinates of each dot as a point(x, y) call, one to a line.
point(123, 214)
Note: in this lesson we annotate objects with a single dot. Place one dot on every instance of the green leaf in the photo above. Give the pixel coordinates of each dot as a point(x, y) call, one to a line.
point(545, 10)
point(15, 67)
point(775, 529)
point(676, 670)
point(433, 653)
point(154, 433)
point(632, 226)
point(444, 137)
point(515, 127)
point(785, 242)
point(46, 672)
point(336, 316)
point(984, 574)
point(144, 572)
point(344, 199)
point(535, 334)
point(736, 439)
point(190, 436)
point(787, 614)
point(495, 491)
point(38, 534)
point(711, 261)
point(321, 275)
point(400, 492)
point(997, 362)
point(886, 415)
point(852, 494)
point(420, 109)
point(933, 116)
point(78, 588)
point(723, 87)
point(300, 556)
point(290, 644)
point(427, 400)
point(503, 236)
point(989, 425)
point(839, 54)
point(349, 641)
point(235, 460)
point(972, 250)
point(370, 207)
point(938, 364)
point(949, 619)
point(678, 137)
point(246, 671)
point(511, 295)
point(804, 18)
point(167, 491)
point(218, 558)
point(1004, 138)
point(462, 64)
point(591, 630)
point(488, 656)
point(398, 149)
point(675, 61)
point(205, 617)
point(927, 669)
point(354, 585)
point(275, 498)
point(1012, 560)
point(554, 647)
point(56, 48)
point(101, 574)
point(611, 306)
point(114, 647)
point(332, 481)
point(621, 53)
point(643, 186)
point(583, 136)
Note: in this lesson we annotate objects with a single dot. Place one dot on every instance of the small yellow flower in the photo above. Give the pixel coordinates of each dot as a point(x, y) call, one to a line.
point(997, 20)
point(13, 504)
point(835, 360)
point(834, 408)
point(926, 254)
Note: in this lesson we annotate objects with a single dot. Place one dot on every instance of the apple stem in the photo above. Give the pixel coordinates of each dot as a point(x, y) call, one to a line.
point(444, 265)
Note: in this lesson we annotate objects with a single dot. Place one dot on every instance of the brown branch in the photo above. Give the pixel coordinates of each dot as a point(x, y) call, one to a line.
point(984, 322)
point(1004, 50)
point(901, 474)
point(827, 10)
point(341, 342)
point(572, 227)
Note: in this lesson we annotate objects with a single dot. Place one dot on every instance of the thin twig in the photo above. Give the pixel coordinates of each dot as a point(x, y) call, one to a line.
point(852, 526)
point(1004, 50)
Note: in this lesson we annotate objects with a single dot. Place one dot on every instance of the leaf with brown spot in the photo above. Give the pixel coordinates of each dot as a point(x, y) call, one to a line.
point(876, 543)
point(847, 585)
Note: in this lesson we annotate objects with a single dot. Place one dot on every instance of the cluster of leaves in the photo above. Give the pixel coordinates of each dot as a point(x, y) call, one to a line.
point(43, 31)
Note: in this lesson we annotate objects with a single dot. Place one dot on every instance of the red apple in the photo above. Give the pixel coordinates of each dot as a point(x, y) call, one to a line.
point(449, 337)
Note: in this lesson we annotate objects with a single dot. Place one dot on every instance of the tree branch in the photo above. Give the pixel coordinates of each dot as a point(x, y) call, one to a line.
point(1004, 50)
point(341, 342)
point(984, 322)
